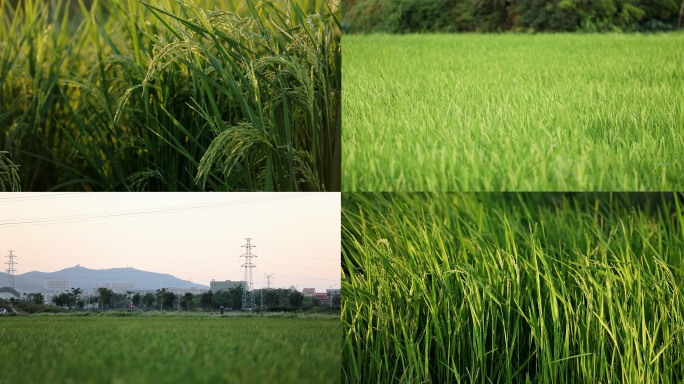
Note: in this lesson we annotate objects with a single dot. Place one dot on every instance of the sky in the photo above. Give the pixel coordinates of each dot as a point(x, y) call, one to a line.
point(192, 236)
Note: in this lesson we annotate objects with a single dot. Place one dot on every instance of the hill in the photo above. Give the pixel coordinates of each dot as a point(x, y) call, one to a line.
point(87, 278)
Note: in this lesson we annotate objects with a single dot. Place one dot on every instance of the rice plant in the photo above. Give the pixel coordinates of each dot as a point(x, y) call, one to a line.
point(507, 288)
point(548, 112)
point(9, 177)
point(127, 95)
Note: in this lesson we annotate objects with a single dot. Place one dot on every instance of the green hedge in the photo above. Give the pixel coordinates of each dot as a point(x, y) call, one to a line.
point(403, 16)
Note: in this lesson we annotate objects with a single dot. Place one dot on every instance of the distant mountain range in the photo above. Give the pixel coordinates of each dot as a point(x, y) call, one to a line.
point(87, 279)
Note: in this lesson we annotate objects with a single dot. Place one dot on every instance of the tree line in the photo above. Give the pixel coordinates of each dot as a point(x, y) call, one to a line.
point(403, 16)
point(162, 299)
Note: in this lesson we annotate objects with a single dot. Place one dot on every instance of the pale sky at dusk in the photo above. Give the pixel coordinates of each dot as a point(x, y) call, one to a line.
point(297, 234)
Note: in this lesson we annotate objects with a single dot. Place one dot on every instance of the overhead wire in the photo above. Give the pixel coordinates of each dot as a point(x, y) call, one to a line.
point(79, 218)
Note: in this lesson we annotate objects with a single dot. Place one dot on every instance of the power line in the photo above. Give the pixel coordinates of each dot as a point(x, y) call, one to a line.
point(78, 218)
point(46, 196)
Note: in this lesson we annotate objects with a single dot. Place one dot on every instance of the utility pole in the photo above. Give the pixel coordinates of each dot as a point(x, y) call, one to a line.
point(248, 293)
point(10, 269)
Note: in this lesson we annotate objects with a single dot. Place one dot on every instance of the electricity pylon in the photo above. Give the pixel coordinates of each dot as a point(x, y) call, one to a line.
point(10, 269)
point(248, 293)
point(268, 280)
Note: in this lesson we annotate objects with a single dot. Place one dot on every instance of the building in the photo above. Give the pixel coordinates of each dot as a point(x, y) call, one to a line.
point(120, 287)
point(53, 287)
point(183, 291)
point(8, 293)
point(224, 285)
point(309, 292)
point(56, 284)
point(333, 292)
point(323, 298)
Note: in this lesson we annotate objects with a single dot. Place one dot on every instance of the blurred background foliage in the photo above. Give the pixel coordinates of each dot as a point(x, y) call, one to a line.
point(405, 16)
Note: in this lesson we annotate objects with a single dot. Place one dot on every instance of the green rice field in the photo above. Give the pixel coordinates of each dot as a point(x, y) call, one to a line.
point(512, 288)
point(564, 112)
point(169, 349)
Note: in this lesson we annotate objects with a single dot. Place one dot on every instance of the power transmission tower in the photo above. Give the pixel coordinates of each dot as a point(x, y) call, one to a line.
point(268, 280)
point(248, 293)
point(10, 269)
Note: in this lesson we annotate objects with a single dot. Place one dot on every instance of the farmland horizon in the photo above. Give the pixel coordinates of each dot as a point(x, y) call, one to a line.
point(141, 283)
point(194, 237)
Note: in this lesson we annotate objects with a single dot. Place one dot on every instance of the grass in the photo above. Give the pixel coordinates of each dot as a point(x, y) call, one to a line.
point(168, 349)
point(505, 288)
point(125, 95)
point(573, 112)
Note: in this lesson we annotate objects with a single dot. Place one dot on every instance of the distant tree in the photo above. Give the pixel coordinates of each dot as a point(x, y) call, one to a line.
point(137, 298)
point(311, 302)
point(336, 301)
point(118, 298)
point(148, 300)
point(295, 298)
point(73, 296)
point(37, 298)
point(165, 298)
point(158, 298)
point(105, 295)
point(56, 300)
point(80, 304)
point(271, 298)
point(236, 296)
point(207, 299)
point(222, 298)
point(62, 300)
point(171, 299)
point(129, 296)
point(187, 300)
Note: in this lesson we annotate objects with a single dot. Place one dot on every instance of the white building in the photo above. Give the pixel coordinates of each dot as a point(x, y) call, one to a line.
point(56, 284)
point(309, 292)
point(224, 285)
point(333, 292)
point(120, 287)
point(183, 291)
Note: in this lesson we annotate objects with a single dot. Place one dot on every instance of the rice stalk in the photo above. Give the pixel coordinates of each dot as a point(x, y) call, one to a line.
point(502, 288)
point(120, 95)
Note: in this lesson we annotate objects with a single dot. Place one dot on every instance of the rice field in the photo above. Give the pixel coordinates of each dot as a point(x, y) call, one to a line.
point(126, 95)
point(507, 112)
point(512, 288)
point(169, 349)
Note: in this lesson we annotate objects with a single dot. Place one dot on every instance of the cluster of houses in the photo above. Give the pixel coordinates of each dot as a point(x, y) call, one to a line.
point(324, 297)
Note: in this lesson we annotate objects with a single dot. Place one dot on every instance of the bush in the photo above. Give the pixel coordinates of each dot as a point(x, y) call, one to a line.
point(542, 15)
point(282, 309)
point(32, 308)
point(402, 16)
